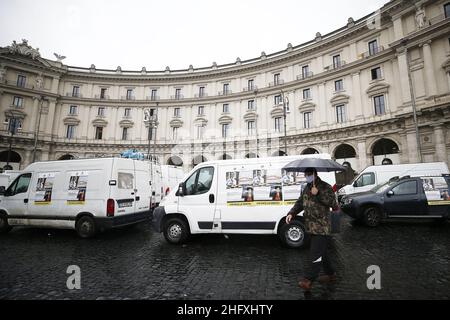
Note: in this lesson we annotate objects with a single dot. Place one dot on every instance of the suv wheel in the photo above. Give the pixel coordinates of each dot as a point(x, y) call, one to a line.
point(372, 216)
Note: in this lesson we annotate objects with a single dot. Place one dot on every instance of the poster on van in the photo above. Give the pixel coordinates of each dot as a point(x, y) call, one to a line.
point(292, 184)
point(44, 187)
point(436, 190)
point(77, 187)
point(254, 187)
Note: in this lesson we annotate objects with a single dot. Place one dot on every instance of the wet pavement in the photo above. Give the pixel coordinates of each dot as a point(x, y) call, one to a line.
point(136, 263)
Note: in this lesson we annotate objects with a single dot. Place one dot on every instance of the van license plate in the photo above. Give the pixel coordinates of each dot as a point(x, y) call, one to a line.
point(125, 204)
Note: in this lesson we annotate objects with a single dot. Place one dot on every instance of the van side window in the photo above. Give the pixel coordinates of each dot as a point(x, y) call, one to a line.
point(365, 179)
point(125, 180)
point(408, 187)
point(200, 181)
point(20, 185)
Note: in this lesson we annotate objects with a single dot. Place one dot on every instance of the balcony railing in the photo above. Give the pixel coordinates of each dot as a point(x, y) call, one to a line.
point(372, 52)
point(128, 98)
point(437, 19)
point(177, 97)
point(14, 106)
point(225, 93)
point(99, 96)
point(152, 98)
point(250, 88)
point(201, 95)
point(276, 83)
point(74, 94)
point(335, 66)
point(305, 75)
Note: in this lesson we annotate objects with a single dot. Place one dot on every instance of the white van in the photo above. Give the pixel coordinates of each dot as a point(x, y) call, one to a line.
point(376, 175)
point(87, 195)
point(250, 196)
point(171, 178)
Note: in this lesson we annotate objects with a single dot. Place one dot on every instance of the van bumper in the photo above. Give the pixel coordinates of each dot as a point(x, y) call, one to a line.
point(105, 223)
point(158, 215)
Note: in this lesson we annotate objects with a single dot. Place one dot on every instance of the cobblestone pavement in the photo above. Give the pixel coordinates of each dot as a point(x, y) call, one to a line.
point(136, 263)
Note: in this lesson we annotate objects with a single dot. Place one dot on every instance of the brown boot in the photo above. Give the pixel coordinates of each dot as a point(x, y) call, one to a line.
point(305, 284)
point(327, 278)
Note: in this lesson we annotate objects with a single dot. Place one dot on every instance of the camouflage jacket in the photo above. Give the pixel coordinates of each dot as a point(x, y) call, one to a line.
point(317, 208)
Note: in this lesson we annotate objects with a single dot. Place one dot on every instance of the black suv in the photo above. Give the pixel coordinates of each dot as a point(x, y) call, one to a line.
point(406, 197)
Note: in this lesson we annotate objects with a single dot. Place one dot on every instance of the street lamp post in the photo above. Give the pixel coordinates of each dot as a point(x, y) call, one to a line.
point(256, 122)
point(36, 131)
point(285, 103)
point(12, 128)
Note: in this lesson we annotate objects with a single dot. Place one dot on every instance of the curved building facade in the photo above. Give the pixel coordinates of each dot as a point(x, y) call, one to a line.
point(375, 91)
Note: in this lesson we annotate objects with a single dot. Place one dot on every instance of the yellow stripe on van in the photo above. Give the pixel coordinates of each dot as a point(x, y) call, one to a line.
point(74, 202)
point(42, 202)
point(259, 203)
point(439, 202)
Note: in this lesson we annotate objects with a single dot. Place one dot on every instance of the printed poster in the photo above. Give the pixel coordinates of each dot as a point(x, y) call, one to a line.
point(77, 187)
point(436, 189)
point(44, 188)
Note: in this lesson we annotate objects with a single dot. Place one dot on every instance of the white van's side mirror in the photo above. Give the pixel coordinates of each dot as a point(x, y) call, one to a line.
point(2, 190)
point(180, 191)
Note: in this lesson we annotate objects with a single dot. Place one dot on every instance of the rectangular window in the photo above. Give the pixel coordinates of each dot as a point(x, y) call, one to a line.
point(340, 113)
point(376, 73)
point(18, 102)
point(176, 112)
point(103, 93)
point(125, 134)
point(127, 112)
point(174, 133)
point(306, 94)
point(336, 61)
point(305, 72)
point(75, 91)
point(21, 81)
point(379, 105)
point(373, 47)
point(276, 78)
point(225, 130)
point(277, 100)
point(339, 85)
point(251, 126)
point(251, 84)
point(13, 125)
point(73, 110)
point(251, 104)
point(153, 94)
point(129, 94)
point(101, 111)
point(201, 92)
point(177, 93)
point(226, 108)
point(200, 130)
point(447, 10)
point(307, 119)
point(70, 134)
point(226, 88)
point(201, 110)
point(277, 124)
point(98, 133)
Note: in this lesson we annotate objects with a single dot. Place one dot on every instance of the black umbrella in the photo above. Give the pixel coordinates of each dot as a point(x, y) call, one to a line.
point(321, 165)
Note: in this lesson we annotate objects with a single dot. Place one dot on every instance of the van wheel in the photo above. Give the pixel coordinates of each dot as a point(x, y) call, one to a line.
point(176, 231)
point(372, 216)
point(4, 226)
point(86, 227)
point(293, 235)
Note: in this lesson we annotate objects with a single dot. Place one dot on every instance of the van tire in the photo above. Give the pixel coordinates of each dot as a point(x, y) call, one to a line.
point(86, 227)
point(4, 226)
point(372, 216)
point(176, 231)
point(293, 235)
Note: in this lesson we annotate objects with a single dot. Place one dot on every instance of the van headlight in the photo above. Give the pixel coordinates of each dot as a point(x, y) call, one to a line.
point(347, 201)
point(341, 191)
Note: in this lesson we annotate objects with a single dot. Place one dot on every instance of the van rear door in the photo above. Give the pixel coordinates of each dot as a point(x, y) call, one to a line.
point(143, 189)
point(125, 190)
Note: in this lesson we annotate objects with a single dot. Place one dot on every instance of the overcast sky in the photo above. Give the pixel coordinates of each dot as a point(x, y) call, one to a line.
point(175, 33)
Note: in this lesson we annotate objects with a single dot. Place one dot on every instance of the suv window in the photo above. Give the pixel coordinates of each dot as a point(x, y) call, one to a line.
point(365, 179)
point(404, 188)
point(200, 181)
point(20, 185)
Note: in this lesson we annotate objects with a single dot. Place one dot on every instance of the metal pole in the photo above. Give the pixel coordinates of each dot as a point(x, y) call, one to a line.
point(413, 102)
point(256, 123)
point(36, 131)
point(284, 122)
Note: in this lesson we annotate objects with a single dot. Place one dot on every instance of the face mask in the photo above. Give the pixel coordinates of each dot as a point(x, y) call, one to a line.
point(309, 179)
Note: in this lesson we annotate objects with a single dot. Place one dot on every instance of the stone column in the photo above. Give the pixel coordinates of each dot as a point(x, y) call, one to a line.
point(412, 148)
point(357, 100)
point(440, 149)
point(34, 115)
point(430, 79)
point(398, 28)
point(322, 121)
point(362, 155)
point(403, 76)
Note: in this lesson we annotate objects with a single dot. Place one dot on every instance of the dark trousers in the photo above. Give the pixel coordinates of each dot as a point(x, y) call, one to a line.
point(319, 257)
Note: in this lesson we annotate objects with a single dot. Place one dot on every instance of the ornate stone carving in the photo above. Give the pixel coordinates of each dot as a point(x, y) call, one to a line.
point(39, 82)
point(24, 49)
point(318, 36)
point(420, 17)
point(2, 74)
point(59, 57)
point(350, 22)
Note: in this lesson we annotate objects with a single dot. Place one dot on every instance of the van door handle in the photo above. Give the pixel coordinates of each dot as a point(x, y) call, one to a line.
point(25, 200)
point(132, 193)
point(138, 198)
point(211, 198)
